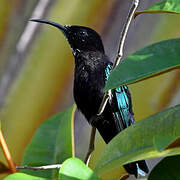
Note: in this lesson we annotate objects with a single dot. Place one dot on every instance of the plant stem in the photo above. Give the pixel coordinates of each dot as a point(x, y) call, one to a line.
point(7, 153)
point(117, 61)
point(53, 166)
point(120, 50)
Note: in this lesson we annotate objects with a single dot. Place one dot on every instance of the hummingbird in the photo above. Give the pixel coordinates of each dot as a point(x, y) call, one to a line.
point(92, 70)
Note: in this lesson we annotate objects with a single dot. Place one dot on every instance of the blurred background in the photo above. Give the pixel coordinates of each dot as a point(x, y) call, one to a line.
point(36, 64)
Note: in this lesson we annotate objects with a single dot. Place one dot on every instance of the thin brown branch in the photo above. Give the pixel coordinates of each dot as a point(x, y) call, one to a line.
point(7, 153)
point(120, 50)
point(117, 61)
point(53, 166)
point(91, 145)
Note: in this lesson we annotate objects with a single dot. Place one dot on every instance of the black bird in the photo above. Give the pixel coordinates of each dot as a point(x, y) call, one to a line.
point(92, 69)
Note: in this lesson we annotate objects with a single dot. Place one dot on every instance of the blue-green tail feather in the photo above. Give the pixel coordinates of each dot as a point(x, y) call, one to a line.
point(124, 118)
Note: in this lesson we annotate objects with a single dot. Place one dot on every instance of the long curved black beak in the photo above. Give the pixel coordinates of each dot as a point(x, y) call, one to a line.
point(62, 28)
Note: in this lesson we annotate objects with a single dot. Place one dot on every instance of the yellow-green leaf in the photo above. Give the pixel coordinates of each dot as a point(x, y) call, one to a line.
point(165, 6)
point(75, 169)
point(23, 176)
point(53, 143)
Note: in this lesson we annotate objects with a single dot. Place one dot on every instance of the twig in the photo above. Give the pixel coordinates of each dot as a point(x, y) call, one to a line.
point(124, 33)
point(7, 153)
point(53, 166)
point(120, 50)
point(91, 145)
point(117, 61)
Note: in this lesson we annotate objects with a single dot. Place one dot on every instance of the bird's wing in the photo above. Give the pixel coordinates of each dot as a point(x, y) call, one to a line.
point(121, 103)
point(121, 106)
point(124, 105)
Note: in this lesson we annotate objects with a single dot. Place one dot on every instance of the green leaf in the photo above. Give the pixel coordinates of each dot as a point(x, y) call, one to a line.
point(167, 169)
point(137, 141)
point(166, 6)
point(75, 169)
point(23, 176)
point(162, 142)
point(147, 62)
point(53, 143)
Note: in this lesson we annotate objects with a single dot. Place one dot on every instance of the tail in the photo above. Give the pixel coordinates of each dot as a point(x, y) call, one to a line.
point(137, 168)
point(108, 130)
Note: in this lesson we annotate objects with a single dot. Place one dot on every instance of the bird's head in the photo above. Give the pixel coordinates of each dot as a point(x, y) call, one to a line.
point(79, 37)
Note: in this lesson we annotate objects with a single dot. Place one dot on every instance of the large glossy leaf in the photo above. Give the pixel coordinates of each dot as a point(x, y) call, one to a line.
point(75, 169)
point(149, 61)
point(167, 169)
point(23, 176)
point(53, 143)
point(137, 141)
point(162, 142)
point(165, 6)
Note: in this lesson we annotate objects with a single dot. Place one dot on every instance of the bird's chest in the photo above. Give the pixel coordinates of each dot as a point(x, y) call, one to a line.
point(88, 88)
point(89, 76)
